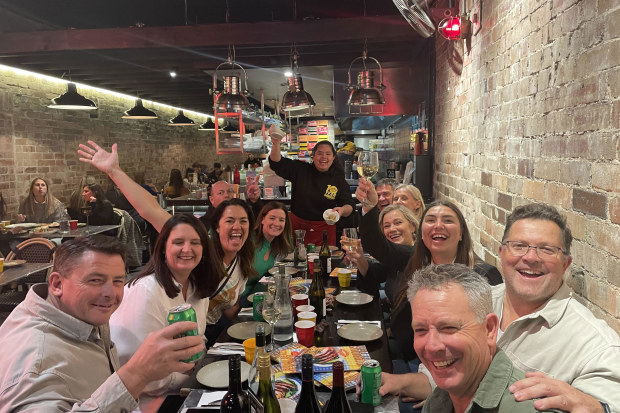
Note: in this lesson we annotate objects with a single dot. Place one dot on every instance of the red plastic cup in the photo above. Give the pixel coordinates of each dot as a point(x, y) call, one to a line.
point(73, 224)
point(299, 299)
point(305, 332)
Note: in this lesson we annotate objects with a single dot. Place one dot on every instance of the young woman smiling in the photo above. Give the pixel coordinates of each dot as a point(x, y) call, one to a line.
point(273, 236)
point(176, 274)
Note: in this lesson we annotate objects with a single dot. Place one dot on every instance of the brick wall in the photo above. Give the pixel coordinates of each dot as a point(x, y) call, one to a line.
point(38, 141)
point(532, 113)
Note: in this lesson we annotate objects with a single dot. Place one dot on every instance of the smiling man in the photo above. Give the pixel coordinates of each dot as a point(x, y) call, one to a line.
point(455, 334)
point(571, 358)
point(56, 349)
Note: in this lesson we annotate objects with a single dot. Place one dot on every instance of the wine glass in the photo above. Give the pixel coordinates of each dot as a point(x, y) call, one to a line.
point(86, 210)
point(350, 241)
point(271, 313)
point(367, 166)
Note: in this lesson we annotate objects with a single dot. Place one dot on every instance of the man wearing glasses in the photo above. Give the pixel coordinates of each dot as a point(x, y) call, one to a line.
point(572, 359)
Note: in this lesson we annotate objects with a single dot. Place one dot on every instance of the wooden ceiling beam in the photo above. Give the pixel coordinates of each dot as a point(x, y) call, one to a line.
point(239, 34)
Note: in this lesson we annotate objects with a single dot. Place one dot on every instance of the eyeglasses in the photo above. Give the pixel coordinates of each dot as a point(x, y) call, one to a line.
point(519, 249)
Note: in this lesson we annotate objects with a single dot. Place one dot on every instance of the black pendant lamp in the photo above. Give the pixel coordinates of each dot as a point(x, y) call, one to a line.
point(72, 100)
point(139, 112)
point(209, 125)
point(181, 120)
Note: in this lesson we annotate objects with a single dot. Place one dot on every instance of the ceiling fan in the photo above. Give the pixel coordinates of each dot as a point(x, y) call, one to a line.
point(416, 16)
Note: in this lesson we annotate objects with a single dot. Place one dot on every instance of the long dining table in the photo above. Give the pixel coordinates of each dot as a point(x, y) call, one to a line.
point(81, 231)
point(378, 349)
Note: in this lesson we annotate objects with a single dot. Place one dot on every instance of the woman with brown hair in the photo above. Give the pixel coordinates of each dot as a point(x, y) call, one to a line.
point(175, 186)
point(40, 205)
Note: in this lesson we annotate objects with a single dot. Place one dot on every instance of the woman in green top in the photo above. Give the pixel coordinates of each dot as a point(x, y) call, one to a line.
point(273, 239)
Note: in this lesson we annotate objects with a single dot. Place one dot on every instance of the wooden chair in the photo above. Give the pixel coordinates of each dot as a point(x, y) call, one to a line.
point(32, 250)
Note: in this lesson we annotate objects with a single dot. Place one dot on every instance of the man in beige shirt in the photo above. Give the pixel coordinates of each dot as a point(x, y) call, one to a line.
point(56, 349)
point(571, 358)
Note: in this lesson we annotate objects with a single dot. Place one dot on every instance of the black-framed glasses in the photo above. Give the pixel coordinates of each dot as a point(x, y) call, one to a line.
point(519, 249)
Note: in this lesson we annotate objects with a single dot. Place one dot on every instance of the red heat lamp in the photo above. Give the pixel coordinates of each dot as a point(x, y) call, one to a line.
point(455, 28)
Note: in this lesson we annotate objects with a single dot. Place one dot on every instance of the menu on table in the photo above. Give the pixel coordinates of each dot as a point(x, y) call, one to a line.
point(351, 357)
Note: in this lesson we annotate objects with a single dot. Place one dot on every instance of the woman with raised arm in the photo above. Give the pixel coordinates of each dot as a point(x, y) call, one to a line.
point(315, 187)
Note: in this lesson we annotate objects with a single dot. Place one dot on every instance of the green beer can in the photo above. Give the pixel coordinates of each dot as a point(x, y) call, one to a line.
point(184, 312)
point(371, 381)
point(257, 306)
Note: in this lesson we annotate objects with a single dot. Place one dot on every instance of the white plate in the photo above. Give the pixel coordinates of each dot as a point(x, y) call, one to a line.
point(354, 298)
point(216, 374)
point(24, 225)
point(244, 330)
point(288, 270)
point(360, 332)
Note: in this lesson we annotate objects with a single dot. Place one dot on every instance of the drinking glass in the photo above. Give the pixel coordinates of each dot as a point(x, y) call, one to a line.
point(86, 210)
point(350, 241)
point(271, 314)
point(368, 164)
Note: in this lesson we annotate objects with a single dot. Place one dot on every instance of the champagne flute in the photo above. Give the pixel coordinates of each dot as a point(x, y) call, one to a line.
point(350, 241)
point(271, 313)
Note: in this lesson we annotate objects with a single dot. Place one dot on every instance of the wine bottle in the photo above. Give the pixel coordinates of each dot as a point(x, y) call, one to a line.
point(253, 379)
point(317, 293)
point(338, 402)
point(307, 399)
point(266, 395)
point(325, 256)
point(235, 400)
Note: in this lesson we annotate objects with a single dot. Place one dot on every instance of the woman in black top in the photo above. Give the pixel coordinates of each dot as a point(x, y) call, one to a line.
point(315, 187)
point(101, 210)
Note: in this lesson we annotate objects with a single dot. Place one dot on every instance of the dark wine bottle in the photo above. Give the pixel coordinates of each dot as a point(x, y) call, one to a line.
point(338, 402)
point(235, 400)
point(307, 399)
point(325, 256)
point(317, 293)
point(266, 394)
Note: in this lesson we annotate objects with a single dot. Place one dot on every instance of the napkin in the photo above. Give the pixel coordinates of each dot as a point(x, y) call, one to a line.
point(211, 397)
point(246, 311)
point(226, 349)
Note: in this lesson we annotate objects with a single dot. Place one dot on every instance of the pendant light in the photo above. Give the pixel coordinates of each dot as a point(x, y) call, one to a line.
point(181, 120)
point(139, 112)
point(72, 100)
point(296, 98)
point(365, 97)
point(209, 125)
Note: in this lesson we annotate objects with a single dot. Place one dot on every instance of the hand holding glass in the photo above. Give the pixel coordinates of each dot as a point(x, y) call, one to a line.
point(349, 241)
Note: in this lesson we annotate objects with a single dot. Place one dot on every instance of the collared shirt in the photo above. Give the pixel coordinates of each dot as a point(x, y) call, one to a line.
point(144, 309)
point(492, 394)
point(565, 341)
point(53, 362)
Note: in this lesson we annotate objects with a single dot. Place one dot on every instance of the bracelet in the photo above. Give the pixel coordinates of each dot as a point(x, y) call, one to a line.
point(606, 408)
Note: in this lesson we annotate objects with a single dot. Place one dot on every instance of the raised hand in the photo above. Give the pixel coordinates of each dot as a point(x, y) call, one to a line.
point(275, 134)
point(366, 194)
point(98, 157)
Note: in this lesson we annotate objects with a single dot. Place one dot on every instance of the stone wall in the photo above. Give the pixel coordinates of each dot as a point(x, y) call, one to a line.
point(532, 113)
point(38, 141)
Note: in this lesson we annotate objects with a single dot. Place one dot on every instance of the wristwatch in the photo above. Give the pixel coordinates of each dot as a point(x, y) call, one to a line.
point(606, 408)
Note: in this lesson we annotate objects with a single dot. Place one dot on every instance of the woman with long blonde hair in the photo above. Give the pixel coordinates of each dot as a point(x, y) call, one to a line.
point(40, 205)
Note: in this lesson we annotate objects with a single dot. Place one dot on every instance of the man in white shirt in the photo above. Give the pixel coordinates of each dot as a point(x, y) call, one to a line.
point(572, 359)
point(56, 349)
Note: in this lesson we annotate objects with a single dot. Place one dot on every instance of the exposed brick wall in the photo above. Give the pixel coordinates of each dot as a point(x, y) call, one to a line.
point(532, 113)
point(38, 141)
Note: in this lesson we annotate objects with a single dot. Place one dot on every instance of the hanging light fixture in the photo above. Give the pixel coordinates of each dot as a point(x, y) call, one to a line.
point(139, 112)
point(72, 100)
point(230, 103)
point(296, 98)
point(209, 125)
point(455, 28)
point(365, 94)
point(181, 120)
